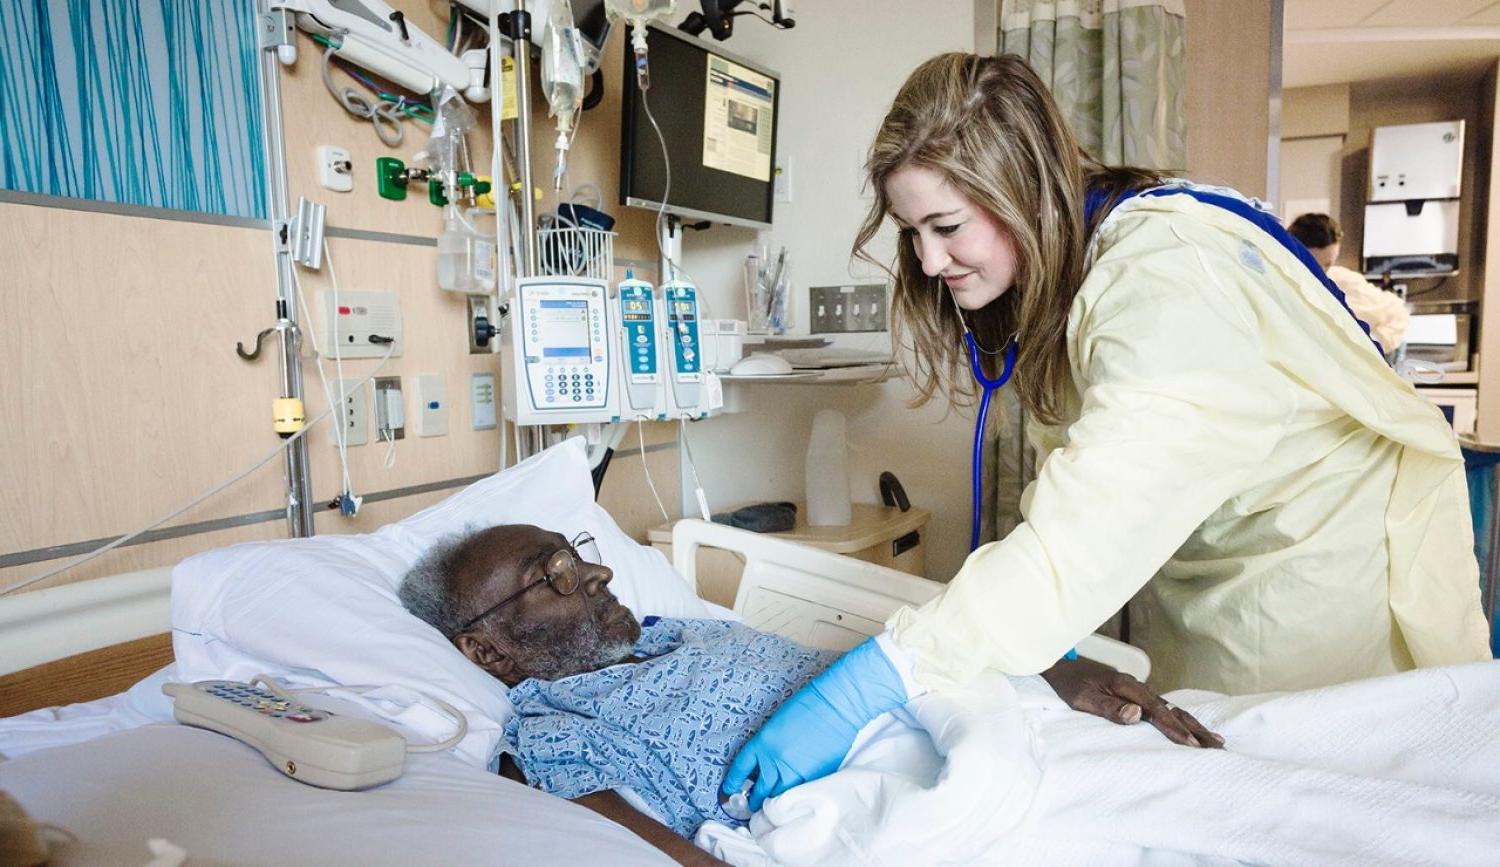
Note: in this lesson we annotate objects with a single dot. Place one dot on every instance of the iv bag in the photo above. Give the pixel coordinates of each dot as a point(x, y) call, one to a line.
point(640, 11)
point(562, 62)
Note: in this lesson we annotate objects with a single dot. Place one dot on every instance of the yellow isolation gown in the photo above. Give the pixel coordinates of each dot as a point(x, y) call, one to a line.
point(1233, 443)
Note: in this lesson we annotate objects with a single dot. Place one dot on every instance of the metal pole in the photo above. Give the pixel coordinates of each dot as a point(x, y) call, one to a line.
point(521, 45)
point(534, 438)
point(276, 30)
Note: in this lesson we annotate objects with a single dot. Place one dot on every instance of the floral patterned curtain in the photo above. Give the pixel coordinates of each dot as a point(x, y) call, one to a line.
point(1116, 69)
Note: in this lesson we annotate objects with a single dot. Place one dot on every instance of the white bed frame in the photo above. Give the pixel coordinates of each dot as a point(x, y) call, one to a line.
point(832, 601)
point(818, 598)
point(47, 625)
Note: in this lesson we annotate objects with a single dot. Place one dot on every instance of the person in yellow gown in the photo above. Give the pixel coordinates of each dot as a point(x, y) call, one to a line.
point(1213, 426)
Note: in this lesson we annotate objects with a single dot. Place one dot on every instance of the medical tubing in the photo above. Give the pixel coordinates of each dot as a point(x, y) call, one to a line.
point(340, 436)
point(640, 433)
point(693, 468)
point(282, 445)
point(275, 688)
point(358, 105)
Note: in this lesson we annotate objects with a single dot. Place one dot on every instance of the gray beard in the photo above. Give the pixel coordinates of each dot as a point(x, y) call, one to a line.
point(553, 651)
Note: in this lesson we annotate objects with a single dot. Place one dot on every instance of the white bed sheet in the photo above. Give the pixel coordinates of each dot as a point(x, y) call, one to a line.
point(220, 801)
point(1402, 769)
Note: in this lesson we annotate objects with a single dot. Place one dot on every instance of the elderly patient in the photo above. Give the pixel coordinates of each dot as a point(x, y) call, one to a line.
point(603, 702)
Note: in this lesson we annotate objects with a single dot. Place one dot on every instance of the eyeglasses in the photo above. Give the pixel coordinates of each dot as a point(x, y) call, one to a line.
point(561, 573)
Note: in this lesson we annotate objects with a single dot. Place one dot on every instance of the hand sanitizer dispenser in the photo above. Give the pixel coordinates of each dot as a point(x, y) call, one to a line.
point(1411, 219)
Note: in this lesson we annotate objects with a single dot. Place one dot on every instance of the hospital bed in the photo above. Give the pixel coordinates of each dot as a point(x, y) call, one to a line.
point(116, 777)
point(125, 791)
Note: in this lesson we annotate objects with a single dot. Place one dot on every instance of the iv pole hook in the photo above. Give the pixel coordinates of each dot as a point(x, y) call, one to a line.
point(259, 339)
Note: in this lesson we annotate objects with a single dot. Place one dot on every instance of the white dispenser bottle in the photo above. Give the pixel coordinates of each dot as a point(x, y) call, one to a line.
point(828, 471)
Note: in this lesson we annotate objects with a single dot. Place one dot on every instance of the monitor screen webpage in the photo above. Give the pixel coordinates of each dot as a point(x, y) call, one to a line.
point(718, 114)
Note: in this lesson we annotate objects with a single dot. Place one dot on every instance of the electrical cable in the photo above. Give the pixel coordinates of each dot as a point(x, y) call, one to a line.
point(661, 211)
point(640, 432)
point(280, 447)
point(386, 121)
point(339, 432)
point(1430, 289)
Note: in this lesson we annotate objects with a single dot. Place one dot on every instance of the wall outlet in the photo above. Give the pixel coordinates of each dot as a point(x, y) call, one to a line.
point(847, 308)
point(783, 176)
point(390, 411)
point(356, 414)
point(335, 168)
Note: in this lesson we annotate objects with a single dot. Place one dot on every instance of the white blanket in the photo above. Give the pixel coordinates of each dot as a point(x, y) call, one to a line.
point(1396, 770)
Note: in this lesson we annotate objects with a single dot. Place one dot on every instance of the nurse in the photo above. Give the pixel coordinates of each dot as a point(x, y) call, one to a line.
point(1212, 424)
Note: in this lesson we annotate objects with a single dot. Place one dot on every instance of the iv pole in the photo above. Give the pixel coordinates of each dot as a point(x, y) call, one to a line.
point(276, 29)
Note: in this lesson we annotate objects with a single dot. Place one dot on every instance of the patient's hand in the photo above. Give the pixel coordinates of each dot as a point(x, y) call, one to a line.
point(1095, 688)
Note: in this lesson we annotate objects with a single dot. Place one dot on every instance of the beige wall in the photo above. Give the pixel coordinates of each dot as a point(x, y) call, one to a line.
point(124, 397)
point(1228, 93)
point(1309, 112)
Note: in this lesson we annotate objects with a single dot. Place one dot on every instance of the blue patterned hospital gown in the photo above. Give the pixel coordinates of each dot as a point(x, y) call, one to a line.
point(667, 726)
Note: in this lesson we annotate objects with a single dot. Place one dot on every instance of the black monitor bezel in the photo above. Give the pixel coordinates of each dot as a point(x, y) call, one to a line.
point(629, 131)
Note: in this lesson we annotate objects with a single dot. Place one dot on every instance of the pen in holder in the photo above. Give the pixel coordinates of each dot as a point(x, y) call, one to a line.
point(767, 287)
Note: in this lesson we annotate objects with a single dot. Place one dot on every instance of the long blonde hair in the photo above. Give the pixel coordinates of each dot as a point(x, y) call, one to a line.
point(991, 129)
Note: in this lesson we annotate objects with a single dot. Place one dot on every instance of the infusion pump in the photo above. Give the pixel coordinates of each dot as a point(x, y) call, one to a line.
point(575, 352)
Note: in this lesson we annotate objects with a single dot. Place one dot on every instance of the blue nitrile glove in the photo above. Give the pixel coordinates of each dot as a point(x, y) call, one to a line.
point(809, 736)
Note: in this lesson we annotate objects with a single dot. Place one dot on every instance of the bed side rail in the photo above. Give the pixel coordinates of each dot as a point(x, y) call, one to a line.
point(46, 625)
point(831, 601)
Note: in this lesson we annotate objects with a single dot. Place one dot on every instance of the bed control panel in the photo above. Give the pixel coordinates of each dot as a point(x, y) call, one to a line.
point(312, 746)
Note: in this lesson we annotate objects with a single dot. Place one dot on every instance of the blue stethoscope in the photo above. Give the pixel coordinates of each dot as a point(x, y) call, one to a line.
point(988, 385)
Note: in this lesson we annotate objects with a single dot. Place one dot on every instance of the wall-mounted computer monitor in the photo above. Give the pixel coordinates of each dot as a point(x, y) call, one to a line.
point(718, 114)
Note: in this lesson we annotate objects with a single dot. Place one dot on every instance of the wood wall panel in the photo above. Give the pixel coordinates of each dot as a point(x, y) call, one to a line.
point(167, 552)
point(123, 396)
point(123, 393)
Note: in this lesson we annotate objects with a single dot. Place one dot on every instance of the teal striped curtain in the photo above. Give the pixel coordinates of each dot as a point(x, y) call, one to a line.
point(141, 102)
point(1116, 69)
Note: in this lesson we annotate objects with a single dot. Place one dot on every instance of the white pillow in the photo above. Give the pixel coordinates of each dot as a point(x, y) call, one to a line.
point(323, 610)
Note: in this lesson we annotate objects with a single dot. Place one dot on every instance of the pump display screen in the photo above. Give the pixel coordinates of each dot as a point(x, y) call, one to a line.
point(563, 329)
point(637, 310)
point(682, 310)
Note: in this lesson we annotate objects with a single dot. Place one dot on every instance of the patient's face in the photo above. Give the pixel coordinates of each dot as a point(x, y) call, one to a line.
point(541, 633)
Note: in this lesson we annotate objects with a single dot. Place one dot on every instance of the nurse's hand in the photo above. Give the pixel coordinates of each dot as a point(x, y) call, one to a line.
point(1095, 688)
point(810, 734)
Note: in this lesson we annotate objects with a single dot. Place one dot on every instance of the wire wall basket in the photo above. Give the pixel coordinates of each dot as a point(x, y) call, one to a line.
point(576, 252)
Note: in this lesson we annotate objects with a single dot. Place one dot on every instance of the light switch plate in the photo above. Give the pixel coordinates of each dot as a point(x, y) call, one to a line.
point(482, 401)
point(432, 406)
point(847, 308)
